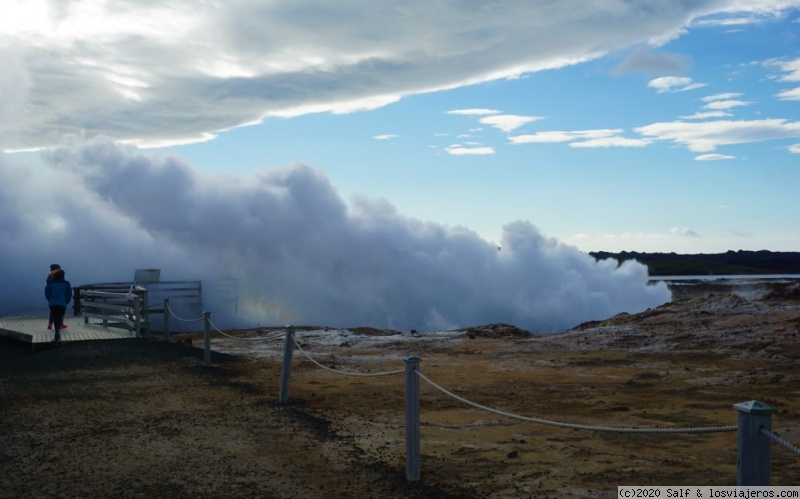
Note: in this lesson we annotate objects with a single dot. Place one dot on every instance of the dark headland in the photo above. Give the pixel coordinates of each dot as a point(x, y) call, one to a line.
point(728, 263)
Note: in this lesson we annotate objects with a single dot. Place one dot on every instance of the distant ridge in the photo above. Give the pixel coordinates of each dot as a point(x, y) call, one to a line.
point(730, 262)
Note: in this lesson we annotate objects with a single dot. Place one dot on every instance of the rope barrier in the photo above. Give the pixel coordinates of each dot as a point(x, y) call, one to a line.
point(343, 373)
point(778, 440)
point(169, 309)
point(712, 429)
point(708, 429)
point(260, 338)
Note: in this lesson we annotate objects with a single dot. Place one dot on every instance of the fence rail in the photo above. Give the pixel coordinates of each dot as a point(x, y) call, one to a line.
point(117, 310)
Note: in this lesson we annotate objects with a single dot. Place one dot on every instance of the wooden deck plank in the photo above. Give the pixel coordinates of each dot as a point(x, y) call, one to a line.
point(34, 330)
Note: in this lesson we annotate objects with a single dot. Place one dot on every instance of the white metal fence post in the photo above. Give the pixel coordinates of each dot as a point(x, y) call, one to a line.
point(207, 338)
point(105, 319)
point(137, 316)
point(167, 313)
point(753, 457)
point(286, 368)
point(412, 419)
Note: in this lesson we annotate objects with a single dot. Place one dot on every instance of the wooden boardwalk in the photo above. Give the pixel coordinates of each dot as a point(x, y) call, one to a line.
point(34, 330)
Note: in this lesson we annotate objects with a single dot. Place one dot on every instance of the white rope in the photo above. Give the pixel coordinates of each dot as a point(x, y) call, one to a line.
point(260, 338)
point(778, 440)
point(169, 309)
point(578, 426)
point(343, 373)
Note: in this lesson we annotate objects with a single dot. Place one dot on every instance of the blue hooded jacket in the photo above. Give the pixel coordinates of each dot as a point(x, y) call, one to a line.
point(58, 291)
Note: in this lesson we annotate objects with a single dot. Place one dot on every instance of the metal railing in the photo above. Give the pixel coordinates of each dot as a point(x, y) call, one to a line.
point(115, 310)
point(109, 303)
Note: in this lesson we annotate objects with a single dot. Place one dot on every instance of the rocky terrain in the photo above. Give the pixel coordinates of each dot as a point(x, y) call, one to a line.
point(144, 418)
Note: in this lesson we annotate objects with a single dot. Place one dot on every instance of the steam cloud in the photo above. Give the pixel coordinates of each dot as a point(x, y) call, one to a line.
point(299, 252)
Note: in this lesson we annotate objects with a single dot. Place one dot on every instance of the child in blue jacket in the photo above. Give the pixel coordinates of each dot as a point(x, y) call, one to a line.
point(54, 267)
point(58, 293)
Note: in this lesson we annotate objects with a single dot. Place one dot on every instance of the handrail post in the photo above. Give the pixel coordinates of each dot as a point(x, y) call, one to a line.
point(753, 457)
point(76, 301)
point(142, 316)
point(105, 319)
point(167, 336)
point(412, 419)
point(286, 368)
point(207, 338)
point(137, 318)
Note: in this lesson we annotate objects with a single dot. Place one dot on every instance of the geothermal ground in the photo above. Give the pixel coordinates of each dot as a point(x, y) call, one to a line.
point(144, 418)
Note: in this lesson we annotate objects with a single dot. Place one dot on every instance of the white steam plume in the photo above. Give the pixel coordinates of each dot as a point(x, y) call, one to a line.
point(300, 253)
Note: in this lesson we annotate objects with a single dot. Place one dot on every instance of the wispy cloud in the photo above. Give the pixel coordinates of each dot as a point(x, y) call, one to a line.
point(582, 138)
point(791, 70)
point(674, 84)
point(643, 241)
point(712, 157)
point(627, 237)
point(727, 21)
point(793, 94)
point(724, 96)
point(794, 148)
point(612, 142)
point(468, 150)
point(683, 232)
point(790, 67)
point(386, 136)
point(473, 112)
point(718, 105)
point(678, 239)
point(508, 122)
point(645, 59)
point(704, 115)
point(707, 136)
point(564, 136)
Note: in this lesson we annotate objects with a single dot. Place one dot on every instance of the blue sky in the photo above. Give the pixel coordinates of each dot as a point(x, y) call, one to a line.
point(656, 196)
point(385, 150)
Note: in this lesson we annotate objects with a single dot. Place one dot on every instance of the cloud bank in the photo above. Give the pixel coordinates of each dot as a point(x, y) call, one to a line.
point(158, 73)
point(300, 253)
